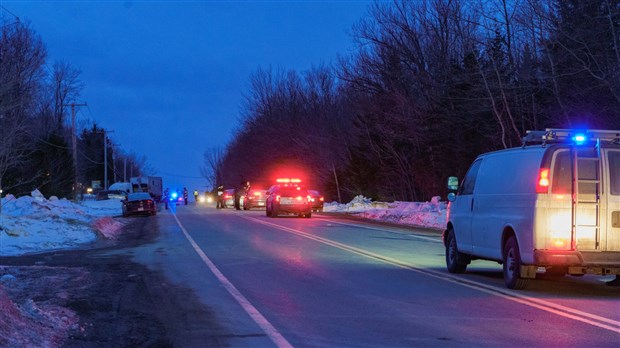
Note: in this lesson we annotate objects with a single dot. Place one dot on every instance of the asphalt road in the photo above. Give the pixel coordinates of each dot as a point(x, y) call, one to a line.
point(340, 283)
point(203, 277)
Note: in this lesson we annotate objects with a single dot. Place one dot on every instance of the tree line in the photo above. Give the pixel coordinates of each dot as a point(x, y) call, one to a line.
point(35, 132)
point(431, 84)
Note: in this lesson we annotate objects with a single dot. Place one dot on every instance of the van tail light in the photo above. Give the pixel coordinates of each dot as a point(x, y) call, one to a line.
point(542, 185)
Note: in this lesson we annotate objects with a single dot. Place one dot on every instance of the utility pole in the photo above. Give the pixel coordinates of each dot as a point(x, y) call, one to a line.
point(105, 159)
point(74, 146)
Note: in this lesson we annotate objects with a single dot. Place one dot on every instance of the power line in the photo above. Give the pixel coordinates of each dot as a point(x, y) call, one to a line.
point(9, 12)
point(181, 176)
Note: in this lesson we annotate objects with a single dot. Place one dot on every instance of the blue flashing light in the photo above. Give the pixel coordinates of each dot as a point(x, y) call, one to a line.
point(579, 139)
point(174, 195)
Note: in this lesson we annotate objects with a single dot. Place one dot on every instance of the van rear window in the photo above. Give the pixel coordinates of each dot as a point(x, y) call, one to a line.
point(614, 172)
point(562, 174)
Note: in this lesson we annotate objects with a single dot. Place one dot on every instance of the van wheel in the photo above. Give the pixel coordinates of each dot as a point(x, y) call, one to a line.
point(512, 266)
point(456, 262)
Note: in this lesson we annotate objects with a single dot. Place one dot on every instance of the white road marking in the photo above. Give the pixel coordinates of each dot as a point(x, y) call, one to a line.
point(430, 239)
point(563, 311)
point(258, 318)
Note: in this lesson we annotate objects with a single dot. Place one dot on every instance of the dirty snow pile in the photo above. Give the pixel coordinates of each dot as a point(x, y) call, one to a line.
point(31, 224)
point(424, 214)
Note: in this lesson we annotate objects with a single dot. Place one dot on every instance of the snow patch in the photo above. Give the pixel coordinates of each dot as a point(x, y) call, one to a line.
point(108, 227)
point(422, 214)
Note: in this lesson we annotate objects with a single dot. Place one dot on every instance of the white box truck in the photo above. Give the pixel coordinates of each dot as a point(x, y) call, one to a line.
point(151, 184)
point(553, 203)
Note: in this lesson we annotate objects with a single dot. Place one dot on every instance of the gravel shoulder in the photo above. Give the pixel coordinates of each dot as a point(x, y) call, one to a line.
point(100, 298)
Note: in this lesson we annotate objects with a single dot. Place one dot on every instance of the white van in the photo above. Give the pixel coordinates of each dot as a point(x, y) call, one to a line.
point(531, 208)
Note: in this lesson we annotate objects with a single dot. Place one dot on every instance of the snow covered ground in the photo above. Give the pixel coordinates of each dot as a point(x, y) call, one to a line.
point(428, 214)
point(32, 224)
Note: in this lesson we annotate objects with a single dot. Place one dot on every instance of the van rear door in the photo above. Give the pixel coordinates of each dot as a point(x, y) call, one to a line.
point(610, 236)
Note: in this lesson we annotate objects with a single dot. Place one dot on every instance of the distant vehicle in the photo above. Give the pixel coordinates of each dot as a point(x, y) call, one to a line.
point(228, 198)
point(317, 200)
point(288, 199)
point(552, 205)
point(176, 198)
point(121, 186)
point(111, 194)
point(151, 184)
point(140, 203)
point(255, 198)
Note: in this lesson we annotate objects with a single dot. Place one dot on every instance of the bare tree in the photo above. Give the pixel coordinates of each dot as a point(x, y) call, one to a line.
point(212, 166)
point(66, 86)
point(22, 56)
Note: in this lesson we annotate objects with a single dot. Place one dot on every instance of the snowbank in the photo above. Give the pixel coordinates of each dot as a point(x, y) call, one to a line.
point(428, 214)
point(32, 223)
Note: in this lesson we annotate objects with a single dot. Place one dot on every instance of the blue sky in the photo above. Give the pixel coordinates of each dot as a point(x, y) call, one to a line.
point(168, 77)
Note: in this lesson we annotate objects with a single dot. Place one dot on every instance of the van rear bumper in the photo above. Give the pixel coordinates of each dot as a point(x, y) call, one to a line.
point(607, 262)
point(557, 258)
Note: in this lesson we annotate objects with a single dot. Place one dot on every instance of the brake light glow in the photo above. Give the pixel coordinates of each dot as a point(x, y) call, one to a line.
point(256, 193)
point(542, 185)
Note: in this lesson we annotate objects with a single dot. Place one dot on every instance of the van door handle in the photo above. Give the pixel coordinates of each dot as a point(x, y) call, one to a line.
point(472, 205)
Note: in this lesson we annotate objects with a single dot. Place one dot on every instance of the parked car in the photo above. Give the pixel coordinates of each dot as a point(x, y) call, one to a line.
point(552, 205)
point(110, 194)
point(139, 203)
point(228, 198)
point(255, 198)
point(317, 200)
point(288, 199)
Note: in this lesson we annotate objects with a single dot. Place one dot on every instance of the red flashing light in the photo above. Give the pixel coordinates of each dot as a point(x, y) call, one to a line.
point(288, 180)
point(257, 193)
point(277, 198)
point(542, 185)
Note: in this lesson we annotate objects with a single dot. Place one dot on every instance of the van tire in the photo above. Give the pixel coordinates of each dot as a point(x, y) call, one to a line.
point(456, 262)
point(512, 265)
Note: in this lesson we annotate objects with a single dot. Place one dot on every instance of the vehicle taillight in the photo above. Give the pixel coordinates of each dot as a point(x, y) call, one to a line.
point(321, 199)
point(542, 185)
point(277, 198)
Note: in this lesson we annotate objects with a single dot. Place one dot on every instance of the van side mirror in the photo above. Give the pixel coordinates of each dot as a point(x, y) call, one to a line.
point(453, 183)
point(451, 197)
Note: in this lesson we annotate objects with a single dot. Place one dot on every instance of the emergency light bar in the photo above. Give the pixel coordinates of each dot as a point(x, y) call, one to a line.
point(288, 180)
point(570, 136)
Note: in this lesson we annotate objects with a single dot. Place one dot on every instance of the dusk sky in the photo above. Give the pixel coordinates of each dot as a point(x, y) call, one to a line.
point(168, 77)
